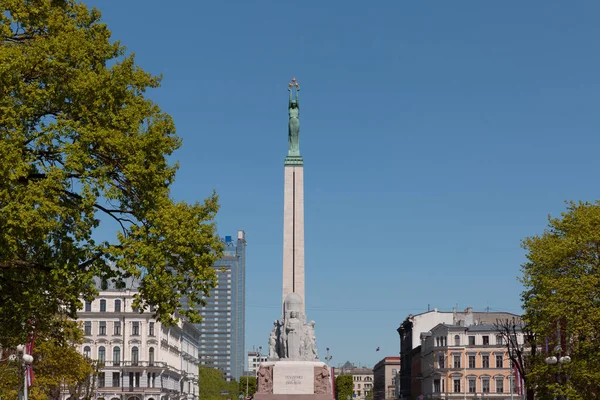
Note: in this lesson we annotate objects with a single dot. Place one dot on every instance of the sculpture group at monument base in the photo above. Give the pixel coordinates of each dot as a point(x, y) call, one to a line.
point(263, 396)
point(310, 380)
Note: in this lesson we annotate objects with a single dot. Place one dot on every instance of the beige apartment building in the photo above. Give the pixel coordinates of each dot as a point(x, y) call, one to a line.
point(362, 378)
point(466, 362)
point(385, 376)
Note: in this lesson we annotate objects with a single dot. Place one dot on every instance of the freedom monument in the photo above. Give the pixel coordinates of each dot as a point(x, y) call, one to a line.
point(293, 371)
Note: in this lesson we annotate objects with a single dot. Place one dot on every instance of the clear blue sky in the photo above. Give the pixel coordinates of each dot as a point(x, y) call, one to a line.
point(436, 135)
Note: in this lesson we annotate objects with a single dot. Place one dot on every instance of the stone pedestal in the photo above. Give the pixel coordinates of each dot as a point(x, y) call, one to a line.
point(294, 380)
point(262, 396)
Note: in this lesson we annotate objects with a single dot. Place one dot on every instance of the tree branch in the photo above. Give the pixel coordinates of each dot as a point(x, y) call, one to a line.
point(87, 263)
point(7, 264)
point(107, 211)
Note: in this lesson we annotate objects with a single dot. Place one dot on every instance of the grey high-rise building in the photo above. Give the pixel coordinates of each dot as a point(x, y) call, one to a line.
point(223, 325)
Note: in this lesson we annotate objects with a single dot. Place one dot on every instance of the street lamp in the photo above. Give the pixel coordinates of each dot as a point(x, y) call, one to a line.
point(328, 357)
point(27, 360)
point(560, 360)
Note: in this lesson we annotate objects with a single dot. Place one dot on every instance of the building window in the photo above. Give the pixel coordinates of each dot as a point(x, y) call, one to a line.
point(151, 378)
point(87, 351)
point(485, 361)
point(499, 340)
point(115, 380)
point(456, 385)
point(472, 385)
point(102, 328)
point(117, 328)
point(471, 340)
point(436, 386)
point(151, 329)
point(485, 385)
point(456, 340)
point(87, 327)
point(101, 380)
point(499, 361)
point(486, 340)
point(151, 356)
point(130, 380)
point(499, 385)
point(102, 305)
point(117, 305)
point(88, 306)
point(101, 354)
point(441, 360)
point(135, 328)
point(135, 355)
point(117, 355)
point(456, 361)
point(513, 387)
point(471, 361)
point(137, 379)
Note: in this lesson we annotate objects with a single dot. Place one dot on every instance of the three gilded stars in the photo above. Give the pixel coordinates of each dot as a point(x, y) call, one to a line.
point(294, 83)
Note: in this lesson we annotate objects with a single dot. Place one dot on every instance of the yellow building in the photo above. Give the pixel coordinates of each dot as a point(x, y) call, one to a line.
point(466, 362)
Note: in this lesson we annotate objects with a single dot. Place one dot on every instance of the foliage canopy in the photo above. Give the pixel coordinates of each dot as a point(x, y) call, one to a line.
point(213, 385)
point(251, 381)
point(83, 152)
point(57, 364)
point(562, 301)
point(344, 386)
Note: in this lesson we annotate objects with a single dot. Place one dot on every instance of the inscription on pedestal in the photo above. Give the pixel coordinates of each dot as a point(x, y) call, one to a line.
point(293, 378)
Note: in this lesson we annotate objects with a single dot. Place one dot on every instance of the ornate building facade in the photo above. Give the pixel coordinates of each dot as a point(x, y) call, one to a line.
point(466, 362)
point(138, 358)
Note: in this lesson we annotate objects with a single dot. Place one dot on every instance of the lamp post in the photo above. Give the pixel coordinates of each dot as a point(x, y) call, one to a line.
point(26, 359)
point(328, 357)
point(558, 360)
point(246, 375)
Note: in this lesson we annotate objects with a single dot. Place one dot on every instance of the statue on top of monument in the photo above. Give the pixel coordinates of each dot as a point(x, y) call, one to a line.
point(294, 122)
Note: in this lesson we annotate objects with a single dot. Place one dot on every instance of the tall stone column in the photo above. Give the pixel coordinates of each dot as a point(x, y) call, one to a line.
point(293, 229)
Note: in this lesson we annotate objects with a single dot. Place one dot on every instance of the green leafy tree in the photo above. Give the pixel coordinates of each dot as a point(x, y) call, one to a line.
point(56, 363)
point(213, 385)
point(251, 385)
point(344, 386)
point(562, 302)
point(521, 355)
point(82, 148)
point(369, 395)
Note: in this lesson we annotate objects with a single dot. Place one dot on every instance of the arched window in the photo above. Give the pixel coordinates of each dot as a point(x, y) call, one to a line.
point(117, 305)
point(102, 305)
point(87, 351)
point(456, 340)
point(117, 355)
point(151, 356)
point(101, 354)
point(135, 355)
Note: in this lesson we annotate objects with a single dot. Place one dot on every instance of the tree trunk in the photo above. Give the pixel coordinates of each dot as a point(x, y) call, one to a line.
point(530, 394)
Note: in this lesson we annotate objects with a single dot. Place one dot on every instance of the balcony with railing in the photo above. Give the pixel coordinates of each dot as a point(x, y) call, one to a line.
point(129, 363)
